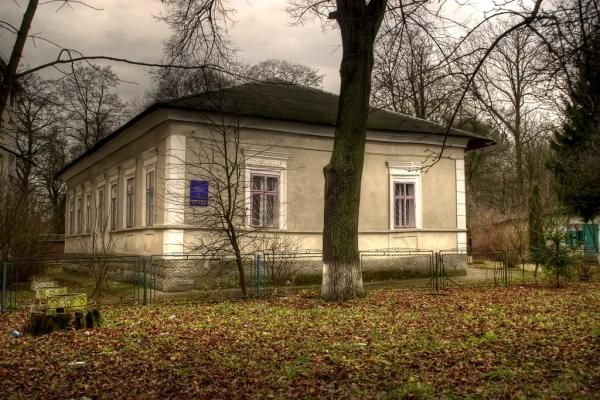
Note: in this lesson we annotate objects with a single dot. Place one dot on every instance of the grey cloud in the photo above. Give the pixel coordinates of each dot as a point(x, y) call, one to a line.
point(128, 29)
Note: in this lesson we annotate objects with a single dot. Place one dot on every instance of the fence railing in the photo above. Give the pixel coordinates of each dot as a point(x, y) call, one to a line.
point(417, 266)
point(139, 278)
point(85, 273)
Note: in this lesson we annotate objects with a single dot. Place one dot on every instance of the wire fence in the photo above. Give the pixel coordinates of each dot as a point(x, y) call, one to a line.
point(296, 269)
point(415, 267)
point(144, 279)
point(189, 272)
point(105, 278)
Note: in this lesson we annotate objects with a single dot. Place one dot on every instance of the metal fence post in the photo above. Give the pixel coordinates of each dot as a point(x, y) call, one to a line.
point(135, 280)
point(13, 294)
point(434, 271)
point(3, 300)
point(258, 274)
point(145, 302)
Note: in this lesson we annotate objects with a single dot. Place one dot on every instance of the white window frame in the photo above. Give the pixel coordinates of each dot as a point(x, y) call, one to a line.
point(71, 213)
point(101, 199)
point(113, 181)
point(266, 163)
point(150, 159)
point(128, 174)
point(405, 172)
point(79, 213)
point(126, 214)
point(87, 204)
point(264, 194)
point(147, 170)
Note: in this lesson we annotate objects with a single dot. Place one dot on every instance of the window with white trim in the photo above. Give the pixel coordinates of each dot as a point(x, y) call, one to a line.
point(88, 212)
point(79, 216)
point(130, 203)
point(405, 194)
point(100, 210)
point(150, 198)
point(404, 205)
point(266, 188)
point(71, 217)
point(264, 200)
point(113, 206)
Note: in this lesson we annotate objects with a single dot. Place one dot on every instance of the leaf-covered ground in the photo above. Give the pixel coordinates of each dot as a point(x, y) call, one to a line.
point(488, 343)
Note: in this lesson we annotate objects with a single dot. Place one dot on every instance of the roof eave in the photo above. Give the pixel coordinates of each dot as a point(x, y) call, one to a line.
point(479, 143)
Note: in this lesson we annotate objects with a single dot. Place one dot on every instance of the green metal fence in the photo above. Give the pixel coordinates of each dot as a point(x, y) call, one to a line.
point(289, 270)
point(201, 272)
point(9, 279)
point(112, 278)
point(460, 269)
point(413, 268)
point(140, 279)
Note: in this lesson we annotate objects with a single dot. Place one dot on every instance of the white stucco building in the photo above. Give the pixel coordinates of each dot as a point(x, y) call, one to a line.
point(142, 181)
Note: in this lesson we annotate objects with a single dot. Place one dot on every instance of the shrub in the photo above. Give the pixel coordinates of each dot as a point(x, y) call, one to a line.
point(556, 255)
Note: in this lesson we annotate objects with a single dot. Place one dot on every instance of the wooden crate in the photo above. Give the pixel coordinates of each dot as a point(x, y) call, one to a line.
point(67, 303)
point(46, 292)
point(42, 282)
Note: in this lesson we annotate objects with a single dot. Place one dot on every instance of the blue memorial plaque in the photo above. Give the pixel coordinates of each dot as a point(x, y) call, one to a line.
point(198, 193)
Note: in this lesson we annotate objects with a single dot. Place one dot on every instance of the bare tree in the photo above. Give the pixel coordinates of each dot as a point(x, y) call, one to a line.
point(99, 245)
point(91, 108)
point(219, 162)
point(284, 71)
point(174, 83)
point(509, 86)
point(69, 57)
point(20, 216)
point(359, 22)
point(282, 259)
point(10, 74)
point(54, 158)
point(36, 114)
point(411, 76)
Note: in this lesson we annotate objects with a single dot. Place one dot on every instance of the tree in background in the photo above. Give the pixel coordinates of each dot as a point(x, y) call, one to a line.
point(37, 113)
point(536, 226)
point(171, 84)
point(556, 255)
point(509, 87)
point(284, 71)
point(411, 75)
point(91, 107)
point(576, 148)
point(56, 156)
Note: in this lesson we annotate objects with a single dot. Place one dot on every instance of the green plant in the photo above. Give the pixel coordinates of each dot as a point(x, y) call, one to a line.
point(556, 255)
point(536, 227)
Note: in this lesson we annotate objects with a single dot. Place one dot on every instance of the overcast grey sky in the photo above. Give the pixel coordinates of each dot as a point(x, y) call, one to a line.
point(126, 28)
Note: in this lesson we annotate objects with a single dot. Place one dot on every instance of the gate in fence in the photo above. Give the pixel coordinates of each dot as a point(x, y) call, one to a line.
point(459, 268)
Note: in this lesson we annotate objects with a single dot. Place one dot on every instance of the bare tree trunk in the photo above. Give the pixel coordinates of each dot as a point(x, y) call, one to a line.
point(240, 265)
point(359, 23)
point(15, 56)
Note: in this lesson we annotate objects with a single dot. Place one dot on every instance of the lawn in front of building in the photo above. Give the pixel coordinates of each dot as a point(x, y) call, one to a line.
point(471, 343)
